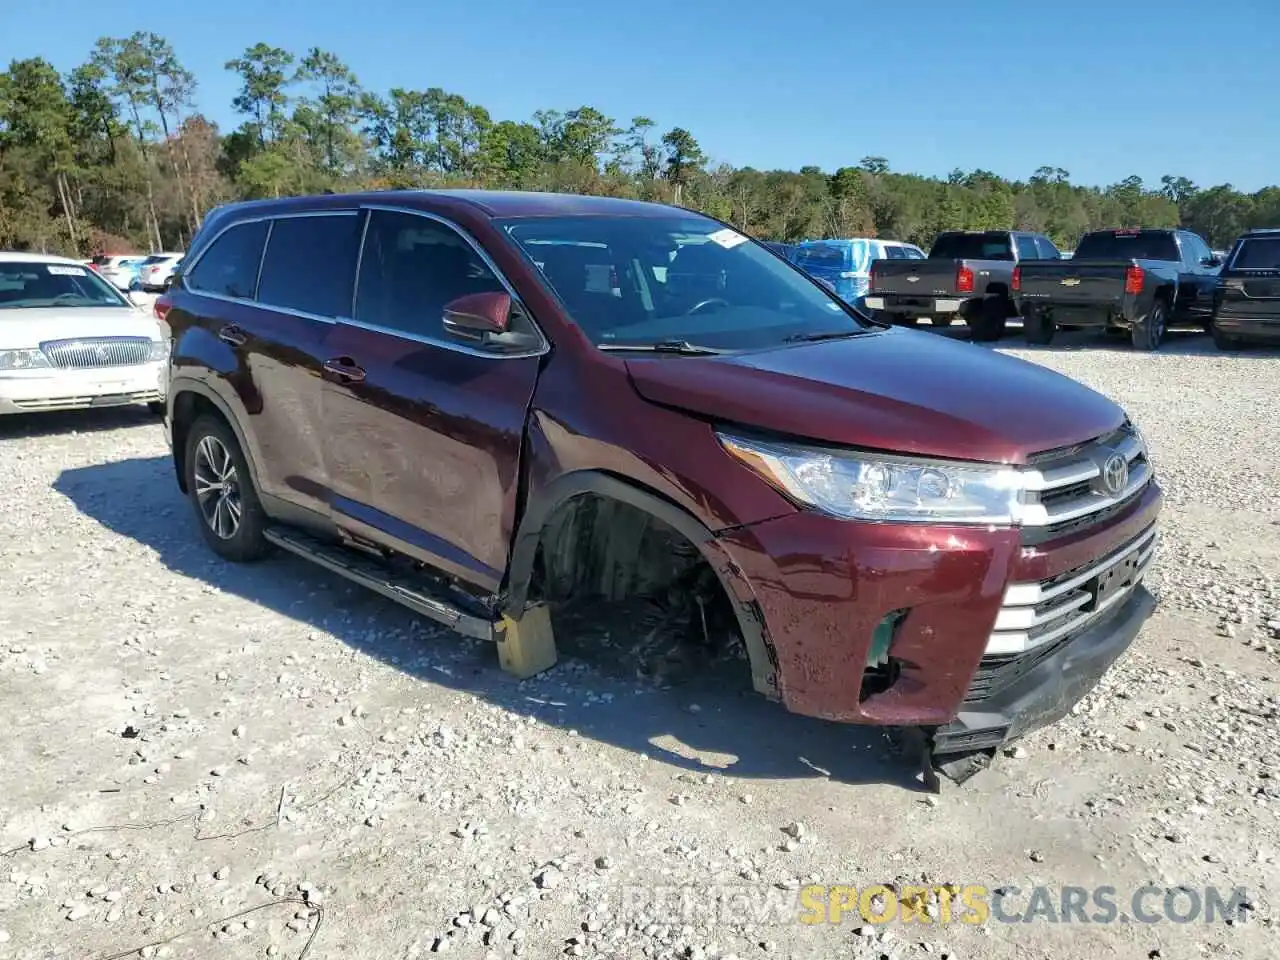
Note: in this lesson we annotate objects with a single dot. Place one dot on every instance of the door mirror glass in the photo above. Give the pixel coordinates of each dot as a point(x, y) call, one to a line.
point(476, 316)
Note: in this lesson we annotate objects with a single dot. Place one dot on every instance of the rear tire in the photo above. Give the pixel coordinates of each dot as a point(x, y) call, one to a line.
point(1149, 331)
point(942, 319)
point(222, 494)
point(1038, 328)
point(987, 319)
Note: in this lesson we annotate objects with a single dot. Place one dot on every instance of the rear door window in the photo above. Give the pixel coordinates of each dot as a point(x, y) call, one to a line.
point(896, 253)
point(1047, 250)
point(229, 268)
point(310, 264)
point(412, 266)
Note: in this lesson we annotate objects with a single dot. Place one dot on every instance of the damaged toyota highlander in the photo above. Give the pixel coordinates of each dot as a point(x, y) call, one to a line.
point(496, 408)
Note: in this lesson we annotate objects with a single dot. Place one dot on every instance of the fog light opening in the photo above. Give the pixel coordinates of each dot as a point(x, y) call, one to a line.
point(881, 669)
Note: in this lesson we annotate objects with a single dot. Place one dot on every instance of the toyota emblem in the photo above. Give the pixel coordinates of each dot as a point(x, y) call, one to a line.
point(1115, 474)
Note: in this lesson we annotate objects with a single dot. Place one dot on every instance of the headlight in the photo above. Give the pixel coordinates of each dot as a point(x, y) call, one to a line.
point(159, 350)
point(864, 486)
point(23, 359)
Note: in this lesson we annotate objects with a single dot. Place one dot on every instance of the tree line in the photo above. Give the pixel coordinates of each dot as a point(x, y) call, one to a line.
point(115, 156)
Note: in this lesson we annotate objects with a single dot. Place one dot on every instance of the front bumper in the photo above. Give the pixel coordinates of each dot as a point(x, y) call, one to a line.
point(32, 391)
point(822, 587)
point(1047, 692)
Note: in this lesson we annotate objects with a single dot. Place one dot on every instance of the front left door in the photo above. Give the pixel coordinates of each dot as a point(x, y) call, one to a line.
point(424, 433)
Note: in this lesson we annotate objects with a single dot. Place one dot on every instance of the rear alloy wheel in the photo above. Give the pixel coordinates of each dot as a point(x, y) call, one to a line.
point(987, 319)
point(1149, 331)
point(1038, 328)
point(221, 491)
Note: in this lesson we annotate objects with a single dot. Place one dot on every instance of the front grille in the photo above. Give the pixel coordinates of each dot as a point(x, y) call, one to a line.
point(1066, 489)
point(1038, 619)
point(97, 352)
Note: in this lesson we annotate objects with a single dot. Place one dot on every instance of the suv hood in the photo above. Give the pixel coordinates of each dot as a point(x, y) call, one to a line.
point(894, 390)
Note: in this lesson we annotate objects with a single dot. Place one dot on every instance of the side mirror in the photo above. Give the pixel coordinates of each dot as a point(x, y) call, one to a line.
point(1211, 261)
point(478, 316)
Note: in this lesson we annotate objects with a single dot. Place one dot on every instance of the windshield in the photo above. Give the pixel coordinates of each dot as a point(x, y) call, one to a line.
point(1123, 245)
point(972, 246)
point(33, 284)
point(643, 280)
point(1258, 253)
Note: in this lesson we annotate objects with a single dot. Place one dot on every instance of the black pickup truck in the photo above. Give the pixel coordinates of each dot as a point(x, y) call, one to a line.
point(1139, 281)
point(967, 274)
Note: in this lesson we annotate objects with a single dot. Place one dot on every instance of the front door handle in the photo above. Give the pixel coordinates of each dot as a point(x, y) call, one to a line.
point(233, 335)
point(345, 368)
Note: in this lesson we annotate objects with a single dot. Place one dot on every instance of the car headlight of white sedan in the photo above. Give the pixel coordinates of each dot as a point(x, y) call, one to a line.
point(24, 359)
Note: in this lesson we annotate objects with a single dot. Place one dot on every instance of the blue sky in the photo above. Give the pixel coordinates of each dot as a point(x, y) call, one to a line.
point(1102, 89)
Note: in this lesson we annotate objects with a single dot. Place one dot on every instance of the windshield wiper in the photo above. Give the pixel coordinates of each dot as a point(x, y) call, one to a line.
point(825, 335)
point(665, 346)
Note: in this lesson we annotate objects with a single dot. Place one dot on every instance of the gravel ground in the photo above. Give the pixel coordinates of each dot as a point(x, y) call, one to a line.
point(188, 740)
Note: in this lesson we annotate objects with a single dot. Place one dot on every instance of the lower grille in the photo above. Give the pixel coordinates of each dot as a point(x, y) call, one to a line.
point(1039, 619)
point(97, 352)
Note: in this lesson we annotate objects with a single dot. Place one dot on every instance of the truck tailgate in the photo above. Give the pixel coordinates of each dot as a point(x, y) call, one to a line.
point(914, 278)
point(1072, 282)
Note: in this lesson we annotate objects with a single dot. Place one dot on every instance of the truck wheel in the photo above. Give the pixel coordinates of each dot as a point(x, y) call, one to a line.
point(1149, 331)
point(221, 491)
point(988, 318)
point(1038, 328)
point(942, 319)
point(1224, 342)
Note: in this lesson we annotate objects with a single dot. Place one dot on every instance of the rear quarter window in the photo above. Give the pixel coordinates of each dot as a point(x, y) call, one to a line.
point(229, 268)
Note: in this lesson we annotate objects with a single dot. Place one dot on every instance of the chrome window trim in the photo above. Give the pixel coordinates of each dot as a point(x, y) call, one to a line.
point(366, 209)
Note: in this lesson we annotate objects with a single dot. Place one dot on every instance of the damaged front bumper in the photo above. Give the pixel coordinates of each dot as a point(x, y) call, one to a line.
point(1047, 691)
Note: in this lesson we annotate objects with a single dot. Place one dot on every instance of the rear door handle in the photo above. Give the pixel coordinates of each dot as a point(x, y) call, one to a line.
point(233, 335)
point(344, 368)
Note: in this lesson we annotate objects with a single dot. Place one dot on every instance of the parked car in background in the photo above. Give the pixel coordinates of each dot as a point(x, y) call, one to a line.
point(967, 274)
point(492, 406)
point(1139, 281)
point(845, 265)
point(69, 339)
point(1246, 302)
point(1066, 254)
point(118, 269)
point(156, 270)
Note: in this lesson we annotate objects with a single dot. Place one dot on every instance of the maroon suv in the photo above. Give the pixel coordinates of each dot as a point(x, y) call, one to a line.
point(486, 404)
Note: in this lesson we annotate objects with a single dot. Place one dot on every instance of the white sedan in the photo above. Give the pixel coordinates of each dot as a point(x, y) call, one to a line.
point(69, 340)
point(156, 270)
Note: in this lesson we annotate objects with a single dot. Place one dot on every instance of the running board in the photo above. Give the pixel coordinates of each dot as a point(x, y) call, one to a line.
point(373, 575)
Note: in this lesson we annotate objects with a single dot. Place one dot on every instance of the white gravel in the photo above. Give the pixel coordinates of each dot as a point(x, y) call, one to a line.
point(187, 740)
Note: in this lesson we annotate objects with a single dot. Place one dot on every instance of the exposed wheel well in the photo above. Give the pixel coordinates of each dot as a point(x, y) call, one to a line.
point(188, 406)
point(621, 578)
